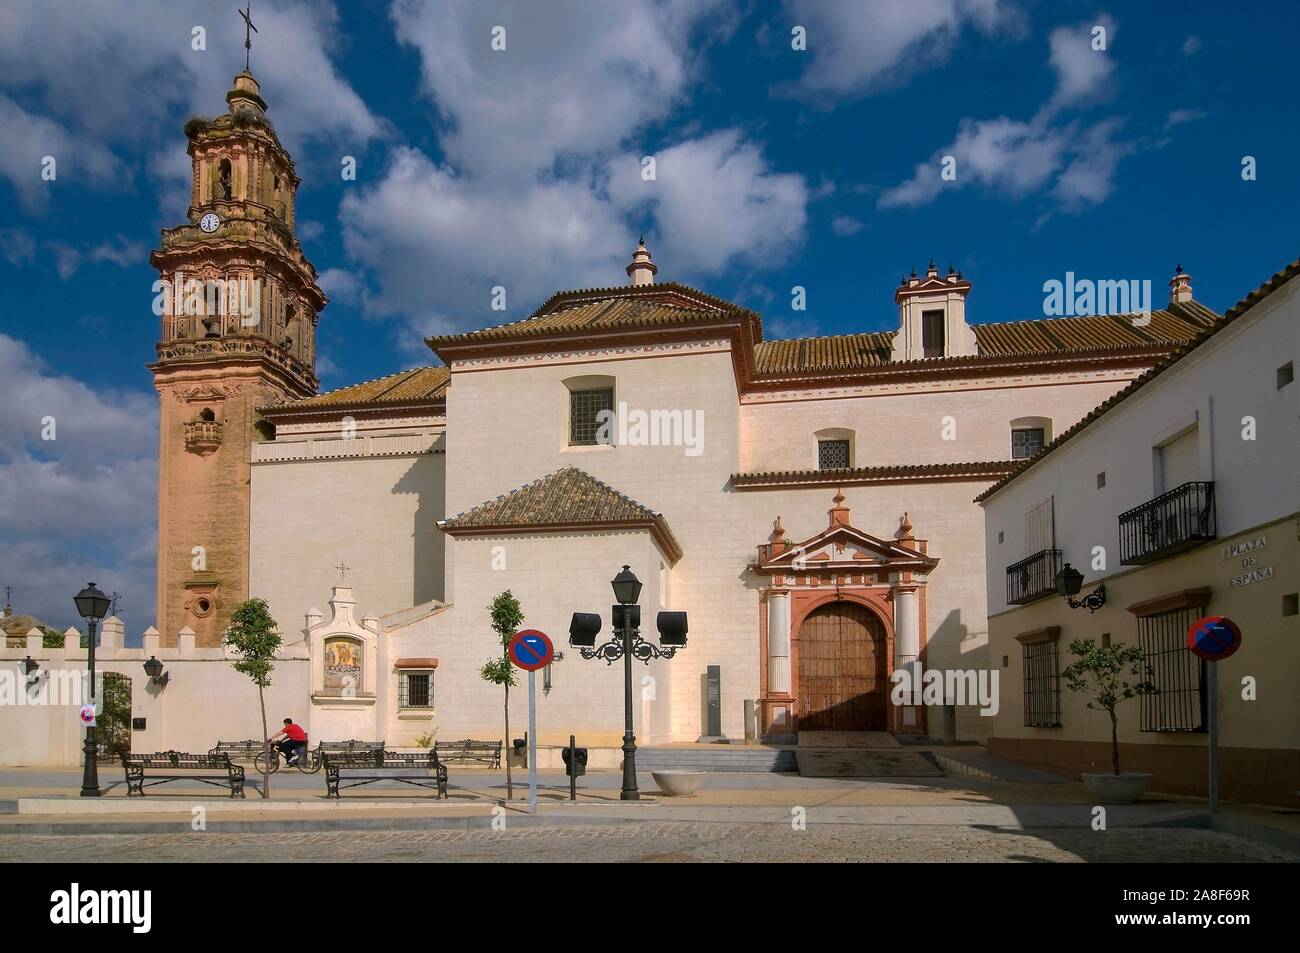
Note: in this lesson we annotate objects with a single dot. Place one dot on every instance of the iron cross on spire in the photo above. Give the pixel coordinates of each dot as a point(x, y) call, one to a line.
point(249, 30)
point(342, 570)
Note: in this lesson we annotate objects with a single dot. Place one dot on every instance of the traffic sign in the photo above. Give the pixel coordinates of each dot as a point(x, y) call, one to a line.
point(531, 649)
point(88, 716)
point(1214, 637)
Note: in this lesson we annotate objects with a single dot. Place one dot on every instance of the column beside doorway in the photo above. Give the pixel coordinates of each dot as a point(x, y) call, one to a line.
point(907, 649)
point(777, 715)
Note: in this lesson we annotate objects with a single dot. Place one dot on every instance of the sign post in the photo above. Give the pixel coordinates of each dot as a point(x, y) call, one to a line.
point(530, 650)
point(1213, 638)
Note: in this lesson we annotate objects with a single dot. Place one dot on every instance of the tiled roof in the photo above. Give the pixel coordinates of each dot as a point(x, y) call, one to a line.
point(901, 473)
point(416, 386)
point(602, 309)
point(567, 497)
point(1208, 331)
point(1175, 325)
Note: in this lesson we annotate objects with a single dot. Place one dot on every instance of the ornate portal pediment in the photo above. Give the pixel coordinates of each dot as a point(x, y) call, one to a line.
point(842, 547)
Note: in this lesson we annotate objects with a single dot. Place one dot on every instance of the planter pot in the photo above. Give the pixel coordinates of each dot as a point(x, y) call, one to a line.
point(678, 783)
point(1123, 788)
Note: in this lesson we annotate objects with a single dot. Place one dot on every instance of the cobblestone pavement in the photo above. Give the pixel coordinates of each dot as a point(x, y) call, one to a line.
point(656, 842)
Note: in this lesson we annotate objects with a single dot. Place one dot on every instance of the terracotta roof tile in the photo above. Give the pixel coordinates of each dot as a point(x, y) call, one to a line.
point(567, 497)
point(416, 386)
point(899, 473)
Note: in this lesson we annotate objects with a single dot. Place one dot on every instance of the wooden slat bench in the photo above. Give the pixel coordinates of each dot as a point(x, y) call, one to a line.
point(146, 770)
point(486, 752)
point(239, 750)
point(351, 769)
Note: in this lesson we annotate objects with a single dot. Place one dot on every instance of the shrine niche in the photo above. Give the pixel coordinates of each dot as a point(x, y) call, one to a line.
point(839, 612)
point(344, 664)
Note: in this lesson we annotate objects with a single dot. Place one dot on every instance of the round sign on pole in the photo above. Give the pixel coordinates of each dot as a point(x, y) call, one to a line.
point(1214, 637)
point(88, 716)
point(531, 649)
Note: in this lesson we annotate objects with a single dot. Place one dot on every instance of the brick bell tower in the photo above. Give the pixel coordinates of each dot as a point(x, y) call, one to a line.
point(239, 305)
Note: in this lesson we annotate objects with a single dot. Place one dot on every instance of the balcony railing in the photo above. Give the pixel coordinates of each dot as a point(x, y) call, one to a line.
point(1033, 577)
point(1170, 523)
point(202, 436)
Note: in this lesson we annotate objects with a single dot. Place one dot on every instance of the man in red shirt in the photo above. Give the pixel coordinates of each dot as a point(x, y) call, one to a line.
point(294, 741)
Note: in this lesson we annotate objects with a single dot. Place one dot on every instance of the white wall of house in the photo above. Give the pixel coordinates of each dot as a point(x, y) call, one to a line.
point(1218, 389)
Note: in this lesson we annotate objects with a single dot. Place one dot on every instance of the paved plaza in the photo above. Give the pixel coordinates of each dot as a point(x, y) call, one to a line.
point(737, 817)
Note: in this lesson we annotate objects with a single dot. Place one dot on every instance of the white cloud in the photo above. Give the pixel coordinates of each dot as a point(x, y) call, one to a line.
point(81, 503)
point(576, 77)
point(717, 201)
point(845, 225)
point(541, 187)
point(17, 246)
point(1191, 45)
point(1083, 74)
point(1179, 117)
point(31, 141)
point(118, 250)
point(1072, 161)
point(94, 76)
point(856, 48)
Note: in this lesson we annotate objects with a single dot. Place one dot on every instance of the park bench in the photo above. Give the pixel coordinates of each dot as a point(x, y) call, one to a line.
point(487, 752)
point(349, 769)
point(250, 749)
point(146, 770)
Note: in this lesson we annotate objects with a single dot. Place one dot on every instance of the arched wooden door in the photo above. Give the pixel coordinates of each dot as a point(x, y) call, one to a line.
point(843, 685)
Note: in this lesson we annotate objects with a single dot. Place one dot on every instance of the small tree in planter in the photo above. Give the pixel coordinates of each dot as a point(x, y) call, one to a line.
point(252, 634)
point(507, 616)
point(1108, 675)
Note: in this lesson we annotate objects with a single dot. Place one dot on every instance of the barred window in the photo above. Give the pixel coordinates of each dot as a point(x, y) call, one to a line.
point(1026, 442)
point(415, 689)
point(833, 455)
point(1042, 684)
point(1179, 676)
point(584, 414)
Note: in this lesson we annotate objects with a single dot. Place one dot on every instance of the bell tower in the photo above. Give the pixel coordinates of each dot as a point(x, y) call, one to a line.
point(239, 305)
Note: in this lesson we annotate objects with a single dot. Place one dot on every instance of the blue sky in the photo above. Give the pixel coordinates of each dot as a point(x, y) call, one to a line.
point(521, 168)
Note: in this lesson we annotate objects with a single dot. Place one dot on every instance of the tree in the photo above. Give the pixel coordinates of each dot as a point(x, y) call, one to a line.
point(1103, 673)
point(507, 616)
point(253, 635)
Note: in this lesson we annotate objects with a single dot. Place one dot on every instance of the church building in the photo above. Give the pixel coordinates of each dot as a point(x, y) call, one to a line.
point(808, 502)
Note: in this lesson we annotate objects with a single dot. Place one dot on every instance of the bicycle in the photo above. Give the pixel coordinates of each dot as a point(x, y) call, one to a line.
point(305, 761)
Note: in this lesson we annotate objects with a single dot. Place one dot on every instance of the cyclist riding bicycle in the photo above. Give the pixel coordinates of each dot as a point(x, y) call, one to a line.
point(293, 744)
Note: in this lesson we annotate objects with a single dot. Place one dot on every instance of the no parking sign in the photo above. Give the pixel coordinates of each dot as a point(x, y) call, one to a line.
point(1214, 637)
point(88, 716)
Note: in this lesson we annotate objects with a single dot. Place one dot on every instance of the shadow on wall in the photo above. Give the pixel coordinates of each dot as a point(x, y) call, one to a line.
point(426, 479)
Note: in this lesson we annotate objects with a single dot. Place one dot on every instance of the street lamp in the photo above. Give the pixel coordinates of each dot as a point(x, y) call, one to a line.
point(1068, 583)
point(92, 605)
point(154, 669)
point(626, 617)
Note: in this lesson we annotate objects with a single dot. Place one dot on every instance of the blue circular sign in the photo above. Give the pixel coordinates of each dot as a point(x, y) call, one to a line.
point(1213, 638)
point(531, 649)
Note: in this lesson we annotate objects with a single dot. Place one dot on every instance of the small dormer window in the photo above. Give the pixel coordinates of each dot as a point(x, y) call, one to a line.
point(1026, 442)
point(932, 343)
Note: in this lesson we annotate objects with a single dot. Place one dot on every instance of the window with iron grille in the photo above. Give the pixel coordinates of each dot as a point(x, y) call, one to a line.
point(584, 414)
point(832, 455)
point(1042, 685)
point(415, 689)
point(1178, 675)
point(1025, 443)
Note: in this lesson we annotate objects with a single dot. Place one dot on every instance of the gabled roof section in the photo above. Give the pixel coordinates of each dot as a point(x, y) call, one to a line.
point(418, 386)
point(1209, 330)
point(596, 310)
point(566, 499)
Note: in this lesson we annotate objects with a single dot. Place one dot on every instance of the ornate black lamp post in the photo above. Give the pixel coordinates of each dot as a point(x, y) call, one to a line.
point(92, 605)
point(627, 644)
point(1068, 583)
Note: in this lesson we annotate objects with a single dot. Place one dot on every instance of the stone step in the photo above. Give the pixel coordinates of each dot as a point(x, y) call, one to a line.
point(721, 759)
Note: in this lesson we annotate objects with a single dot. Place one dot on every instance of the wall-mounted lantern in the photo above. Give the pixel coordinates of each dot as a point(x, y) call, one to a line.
point(154, 669)
point(1068, 583)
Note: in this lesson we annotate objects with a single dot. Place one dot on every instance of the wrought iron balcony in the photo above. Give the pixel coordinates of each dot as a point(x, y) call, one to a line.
point(1033, 577)
point(1172, 522)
